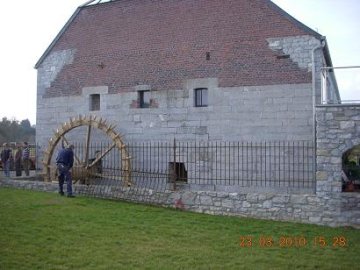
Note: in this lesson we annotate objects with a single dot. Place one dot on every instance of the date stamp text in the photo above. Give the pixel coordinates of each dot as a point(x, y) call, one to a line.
point(248, 241)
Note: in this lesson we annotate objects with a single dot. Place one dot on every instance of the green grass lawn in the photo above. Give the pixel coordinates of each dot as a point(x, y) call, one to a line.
point(45, 231)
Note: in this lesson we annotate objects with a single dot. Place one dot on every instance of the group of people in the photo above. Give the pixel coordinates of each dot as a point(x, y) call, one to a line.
point(21, 159)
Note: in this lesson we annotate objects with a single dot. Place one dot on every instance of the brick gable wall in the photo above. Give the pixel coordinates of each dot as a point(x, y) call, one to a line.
point(162, 43)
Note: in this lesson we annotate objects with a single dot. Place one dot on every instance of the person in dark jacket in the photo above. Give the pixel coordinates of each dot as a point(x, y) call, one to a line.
point(64, 163)
point(5, 159)
point(17, 160)
point(26, 158)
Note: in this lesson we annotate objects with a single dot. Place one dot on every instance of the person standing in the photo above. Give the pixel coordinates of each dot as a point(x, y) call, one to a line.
point(5, 159)
point(64, 163)
point(17, 161)
point(26, 158)
point(98, 164)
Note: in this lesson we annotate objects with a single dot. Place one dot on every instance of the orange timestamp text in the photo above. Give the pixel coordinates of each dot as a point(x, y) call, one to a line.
point(248, 241)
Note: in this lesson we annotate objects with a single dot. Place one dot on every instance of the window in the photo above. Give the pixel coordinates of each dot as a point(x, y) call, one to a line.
point(178, 171)
point(201, 97)
point(95, 102)
point(144, 99)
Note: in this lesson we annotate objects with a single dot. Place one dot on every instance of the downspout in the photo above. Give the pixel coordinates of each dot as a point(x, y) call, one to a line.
point(313, 51)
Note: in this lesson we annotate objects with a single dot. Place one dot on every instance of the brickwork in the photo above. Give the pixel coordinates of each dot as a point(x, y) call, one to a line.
point(162, 43)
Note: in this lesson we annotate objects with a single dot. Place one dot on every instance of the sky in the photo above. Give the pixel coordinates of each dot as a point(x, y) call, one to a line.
point(28, 28)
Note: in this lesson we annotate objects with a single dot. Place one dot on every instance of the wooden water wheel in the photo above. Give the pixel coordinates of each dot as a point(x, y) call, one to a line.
point(83, 169)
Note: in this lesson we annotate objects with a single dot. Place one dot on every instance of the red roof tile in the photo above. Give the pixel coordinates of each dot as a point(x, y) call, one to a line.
point(162, 43)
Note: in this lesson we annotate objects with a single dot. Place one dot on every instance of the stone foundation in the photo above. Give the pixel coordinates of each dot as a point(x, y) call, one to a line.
point(335, 209)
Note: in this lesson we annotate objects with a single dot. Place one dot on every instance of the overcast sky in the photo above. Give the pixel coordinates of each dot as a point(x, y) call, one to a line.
point(28, 27)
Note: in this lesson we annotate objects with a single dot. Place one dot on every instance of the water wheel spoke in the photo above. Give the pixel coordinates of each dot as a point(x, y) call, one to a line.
point(87, 145)
point(75, 181)
point(103, 153)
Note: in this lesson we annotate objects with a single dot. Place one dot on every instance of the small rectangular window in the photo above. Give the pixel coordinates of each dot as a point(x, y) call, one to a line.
point(178, 171)
point(144, 99)
point(95, 102)
point(201, 97)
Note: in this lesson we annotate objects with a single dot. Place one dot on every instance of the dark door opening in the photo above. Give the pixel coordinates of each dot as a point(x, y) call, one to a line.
point(351, 170)
point(178, 170)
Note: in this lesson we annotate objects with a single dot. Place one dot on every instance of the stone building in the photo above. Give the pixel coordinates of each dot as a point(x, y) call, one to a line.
point(208, 70)
point(195, 70)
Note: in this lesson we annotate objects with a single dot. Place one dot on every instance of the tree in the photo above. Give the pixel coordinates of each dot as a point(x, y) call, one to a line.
point(25, 124)
point(12, 131)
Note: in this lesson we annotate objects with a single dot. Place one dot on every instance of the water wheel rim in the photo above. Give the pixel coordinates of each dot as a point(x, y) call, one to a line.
point(90, 122)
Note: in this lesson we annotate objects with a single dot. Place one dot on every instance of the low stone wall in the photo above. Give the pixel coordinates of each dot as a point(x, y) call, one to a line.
point(335, 209)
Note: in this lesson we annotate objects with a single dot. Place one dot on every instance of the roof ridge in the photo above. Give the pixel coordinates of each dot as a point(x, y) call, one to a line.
point(98, 2)
point(299, 24)
point(269, 3)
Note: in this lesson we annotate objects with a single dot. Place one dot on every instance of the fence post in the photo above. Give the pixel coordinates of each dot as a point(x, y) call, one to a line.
point(173, 176)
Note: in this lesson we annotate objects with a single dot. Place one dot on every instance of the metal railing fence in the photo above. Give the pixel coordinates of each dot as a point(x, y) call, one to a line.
point(171, 164)
point(243, 164)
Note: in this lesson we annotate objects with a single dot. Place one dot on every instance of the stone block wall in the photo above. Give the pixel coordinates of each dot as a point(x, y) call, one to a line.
point(290, 46)
point(338, 130)
point(241, 114)
point(259, 113)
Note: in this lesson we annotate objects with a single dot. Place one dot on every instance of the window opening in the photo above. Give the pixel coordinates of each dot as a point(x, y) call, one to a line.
point(95, 102)
point(350, 173)
point(144, 99)
point(178, 170)
point(201, 97)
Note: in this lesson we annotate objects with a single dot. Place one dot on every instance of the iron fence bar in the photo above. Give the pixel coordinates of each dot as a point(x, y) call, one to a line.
point(286, 146)
point(265, 163)
point(303, 163)
point(216, 163)
point(227, 150)
point(260, 171)
point(262, 165)
point(174, 166)
point(220, 156)
point(247, 164)
point(279, 168)
point(187, 155)
point(294, 164)
point(150, 155)
point(238, 166)
point(242, 163)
